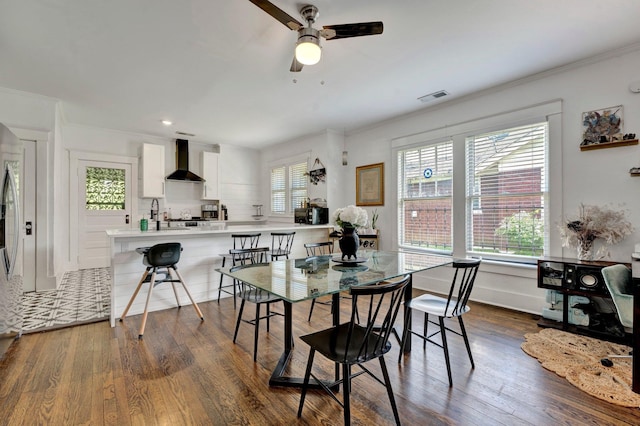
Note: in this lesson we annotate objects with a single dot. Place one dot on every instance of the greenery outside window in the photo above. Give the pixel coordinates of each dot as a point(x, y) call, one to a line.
point(506, 189)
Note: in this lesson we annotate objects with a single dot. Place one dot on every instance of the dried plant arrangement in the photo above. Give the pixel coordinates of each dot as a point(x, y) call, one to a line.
point(592, 223)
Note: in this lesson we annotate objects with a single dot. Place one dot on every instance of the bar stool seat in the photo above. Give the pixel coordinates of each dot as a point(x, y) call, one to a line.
point(240, 241)
point(159, 259)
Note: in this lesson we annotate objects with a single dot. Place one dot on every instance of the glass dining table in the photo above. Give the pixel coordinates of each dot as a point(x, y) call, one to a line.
point(296, 280)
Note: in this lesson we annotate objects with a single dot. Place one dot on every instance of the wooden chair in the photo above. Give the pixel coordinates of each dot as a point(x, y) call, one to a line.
point(452, 306)
point(354, 344)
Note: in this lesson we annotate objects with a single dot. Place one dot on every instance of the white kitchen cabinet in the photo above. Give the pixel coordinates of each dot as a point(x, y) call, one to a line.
point(153, 171)
point(209, 169)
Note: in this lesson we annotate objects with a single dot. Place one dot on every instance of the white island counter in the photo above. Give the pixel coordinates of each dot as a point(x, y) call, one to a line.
point(200, 257)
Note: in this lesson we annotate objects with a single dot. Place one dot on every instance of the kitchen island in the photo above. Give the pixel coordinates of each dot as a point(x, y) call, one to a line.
point(200, 257)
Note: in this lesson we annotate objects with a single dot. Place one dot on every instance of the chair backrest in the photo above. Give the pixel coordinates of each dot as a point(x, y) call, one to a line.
point(282, 241)
point(242, 241)
point(461, 286)
point(617, 278)
point(165, 254)
point(370, 327)
point(319, 249)
point(247, 256)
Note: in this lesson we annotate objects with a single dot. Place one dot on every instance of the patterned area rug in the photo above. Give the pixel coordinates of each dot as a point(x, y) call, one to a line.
point(577, 358)
point(83, 297)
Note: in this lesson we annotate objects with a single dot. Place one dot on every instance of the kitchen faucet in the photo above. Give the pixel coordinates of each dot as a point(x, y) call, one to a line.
point(155, 207)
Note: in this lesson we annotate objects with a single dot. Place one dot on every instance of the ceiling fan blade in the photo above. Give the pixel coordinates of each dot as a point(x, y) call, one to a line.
point(278, 13)
point(295, 65)
point(334, 32)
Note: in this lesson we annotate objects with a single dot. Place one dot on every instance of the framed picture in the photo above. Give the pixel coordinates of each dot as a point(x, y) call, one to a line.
point(370, 185)
point(602, 126)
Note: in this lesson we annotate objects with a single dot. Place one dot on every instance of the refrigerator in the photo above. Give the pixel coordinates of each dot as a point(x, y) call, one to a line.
point(11, 315)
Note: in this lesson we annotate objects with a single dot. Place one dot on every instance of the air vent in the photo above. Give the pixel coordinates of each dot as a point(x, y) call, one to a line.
point(185, 134)
point(433, 96)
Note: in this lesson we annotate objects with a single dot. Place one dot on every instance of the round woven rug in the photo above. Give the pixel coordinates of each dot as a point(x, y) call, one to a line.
point(577, 358)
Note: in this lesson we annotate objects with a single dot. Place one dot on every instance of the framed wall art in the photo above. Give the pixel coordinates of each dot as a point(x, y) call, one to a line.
point(370, 185)
point(602, 126)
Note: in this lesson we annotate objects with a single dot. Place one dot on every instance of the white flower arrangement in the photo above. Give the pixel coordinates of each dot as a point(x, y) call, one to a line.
point(353, 216)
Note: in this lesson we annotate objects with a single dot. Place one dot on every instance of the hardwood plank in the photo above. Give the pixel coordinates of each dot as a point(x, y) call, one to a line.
point(188, 372)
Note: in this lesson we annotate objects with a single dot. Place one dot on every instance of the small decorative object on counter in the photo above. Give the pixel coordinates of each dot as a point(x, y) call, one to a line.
point(144, 224)
point(348, 219)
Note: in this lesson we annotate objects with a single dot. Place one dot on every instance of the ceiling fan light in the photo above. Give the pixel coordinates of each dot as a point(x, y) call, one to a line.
point(308, 51)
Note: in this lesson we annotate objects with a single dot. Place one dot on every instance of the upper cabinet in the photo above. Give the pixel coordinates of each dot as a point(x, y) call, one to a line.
point(209, 169)
point(153, 171)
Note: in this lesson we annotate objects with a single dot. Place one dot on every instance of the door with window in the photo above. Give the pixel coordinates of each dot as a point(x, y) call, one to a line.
point(104, 202)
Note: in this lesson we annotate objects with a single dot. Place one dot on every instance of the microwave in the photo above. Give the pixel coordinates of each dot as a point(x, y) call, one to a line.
point(312, 215)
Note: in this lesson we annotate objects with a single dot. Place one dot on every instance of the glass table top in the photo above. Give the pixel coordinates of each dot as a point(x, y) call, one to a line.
point(295, 280)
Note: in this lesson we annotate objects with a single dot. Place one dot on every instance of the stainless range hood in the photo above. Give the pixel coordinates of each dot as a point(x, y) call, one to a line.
point(182, 164)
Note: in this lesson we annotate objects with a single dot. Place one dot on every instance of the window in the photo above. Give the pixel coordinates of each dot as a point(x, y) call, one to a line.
point(105, 189)
point(506, 188)
point(425, 190)
point(288, 186)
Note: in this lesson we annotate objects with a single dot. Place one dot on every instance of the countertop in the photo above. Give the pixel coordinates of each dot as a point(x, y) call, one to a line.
point(215, 228)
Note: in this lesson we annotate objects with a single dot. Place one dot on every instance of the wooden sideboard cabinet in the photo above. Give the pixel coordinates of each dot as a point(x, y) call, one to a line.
point(579, 285)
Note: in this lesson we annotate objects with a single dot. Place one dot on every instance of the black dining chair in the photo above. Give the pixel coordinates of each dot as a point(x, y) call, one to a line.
point(354, 343)
point(159, 259)
point(240, 241)
point(454, 305)
point(281, 243)
point(324, 248)
point(247, 258)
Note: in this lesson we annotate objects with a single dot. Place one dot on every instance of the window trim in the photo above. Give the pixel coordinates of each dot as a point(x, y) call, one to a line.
point(551, 111)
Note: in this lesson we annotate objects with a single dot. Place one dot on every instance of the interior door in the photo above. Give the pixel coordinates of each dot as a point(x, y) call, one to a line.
point(105, 201)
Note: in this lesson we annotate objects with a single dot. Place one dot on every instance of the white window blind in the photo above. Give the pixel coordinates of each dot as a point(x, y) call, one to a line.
point(425, 191)
point(288, 187)
point(506, 189)
point(278, 190)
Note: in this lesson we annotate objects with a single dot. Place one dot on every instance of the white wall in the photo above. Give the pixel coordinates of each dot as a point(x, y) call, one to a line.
point(590, 177)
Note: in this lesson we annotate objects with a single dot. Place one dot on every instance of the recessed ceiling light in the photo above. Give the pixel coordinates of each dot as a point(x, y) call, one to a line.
point(167, 122)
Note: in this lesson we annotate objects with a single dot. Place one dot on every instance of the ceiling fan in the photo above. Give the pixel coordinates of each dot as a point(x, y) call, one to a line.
point(308, 46)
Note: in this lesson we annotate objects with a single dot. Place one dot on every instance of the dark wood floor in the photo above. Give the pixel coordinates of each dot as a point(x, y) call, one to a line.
point(187, 372)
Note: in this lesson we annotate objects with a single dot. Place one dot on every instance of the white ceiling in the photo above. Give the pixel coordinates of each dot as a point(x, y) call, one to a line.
point(220, 68)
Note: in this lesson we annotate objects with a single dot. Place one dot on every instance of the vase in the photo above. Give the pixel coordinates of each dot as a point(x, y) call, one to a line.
point(349, 243)
point(585, 250)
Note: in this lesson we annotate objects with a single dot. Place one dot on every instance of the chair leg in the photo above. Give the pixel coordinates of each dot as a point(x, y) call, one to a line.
point(425, 327)
point(184, 286)
point(445, 347)
point(235, 333)
point(387, 383)
point(346, 386)
point(135, 293)
point(313, 303)
point(220, 285)
point(305, 383)
point(256, 332)
point(146, 305)
point(466, 341)
point(173, 286)
point(406, 334)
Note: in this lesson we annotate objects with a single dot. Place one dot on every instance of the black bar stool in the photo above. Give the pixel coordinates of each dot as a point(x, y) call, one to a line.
point(163, 259)
point(240, 241)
